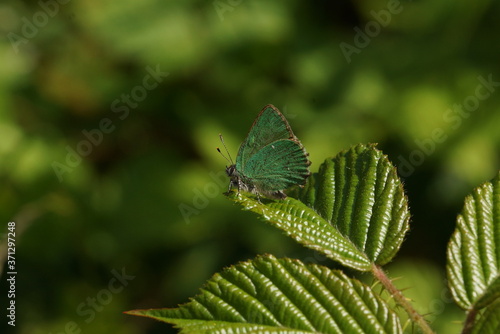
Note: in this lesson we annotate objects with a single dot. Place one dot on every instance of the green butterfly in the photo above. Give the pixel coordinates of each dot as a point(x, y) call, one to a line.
point(271, 159)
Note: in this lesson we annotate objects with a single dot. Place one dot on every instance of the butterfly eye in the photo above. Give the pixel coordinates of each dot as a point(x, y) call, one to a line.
point(230, 170)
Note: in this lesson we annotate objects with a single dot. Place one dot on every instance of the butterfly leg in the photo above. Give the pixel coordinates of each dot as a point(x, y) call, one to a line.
point(233, 183)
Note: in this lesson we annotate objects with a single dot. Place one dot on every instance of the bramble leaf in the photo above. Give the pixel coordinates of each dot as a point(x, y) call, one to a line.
point(353, 209)
point(473, 264)
point(269, 295)
point(489, 322)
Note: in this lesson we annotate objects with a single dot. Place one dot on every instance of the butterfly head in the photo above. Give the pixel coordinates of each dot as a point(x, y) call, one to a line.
point(231, 171)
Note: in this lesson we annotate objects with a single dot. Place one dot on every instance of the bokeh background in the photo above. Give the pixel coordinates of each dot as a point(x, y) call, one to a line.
point(145, 197)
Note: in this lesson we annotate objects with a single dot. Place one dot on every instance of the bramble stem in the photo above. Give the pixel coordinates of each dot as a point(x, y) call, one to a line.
point(401, 300)
point(469, 321)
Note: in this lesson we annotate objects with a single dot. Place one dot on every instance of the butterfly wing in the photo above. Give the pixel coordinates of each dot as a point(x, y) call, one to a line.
point(278, 165)
point(269, 126)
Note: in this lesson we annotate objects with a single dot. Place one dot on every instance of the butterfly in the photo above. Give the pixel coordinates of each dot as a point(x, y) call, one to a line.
point(270, 159)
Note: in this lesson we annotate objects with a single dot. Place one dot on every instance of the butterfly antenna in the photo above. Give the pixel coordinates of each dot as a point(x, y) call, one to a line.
point(230, 160)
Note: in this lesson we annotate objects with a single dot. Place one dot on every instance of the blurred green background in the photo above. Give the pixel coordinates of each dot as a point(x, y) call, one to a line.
point(143, 88)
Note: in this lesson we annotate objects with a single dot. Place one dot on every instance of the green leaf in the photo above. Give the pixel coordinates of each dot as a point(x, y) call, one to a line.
point(474, 249)
point(489, 322)
point(353, 209)
point(281, 296)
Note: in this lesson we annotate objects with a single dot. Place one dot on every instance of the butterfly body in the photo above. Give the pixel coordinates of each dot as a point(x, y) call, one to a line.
point(271, 159)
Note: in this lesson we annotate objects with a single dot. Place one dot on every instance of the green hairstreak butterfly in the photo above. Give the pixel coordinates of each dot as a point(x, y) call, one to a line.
point(270, 159)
